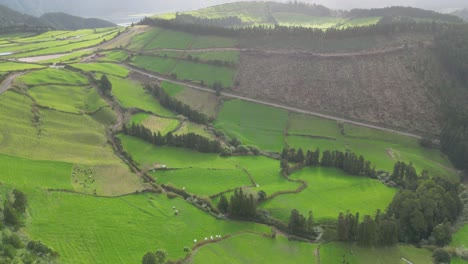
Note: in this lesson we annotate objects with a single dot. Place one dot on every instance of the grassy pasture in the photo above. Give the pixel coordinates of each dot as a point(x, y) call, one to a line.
point(156, 64)
point(204, 102)
point(296, 19)
point(207, 42)
point(132, 95)
point(382, 148)
point(209, 74)
point(253, 124)
point(114, 56)
point(230, 56)
point(204, 182)
point(460, 238)
point(168, 39)
point(171, 88)
point(14, 66)
point(155, 123)
point(330, 192)
point(73, 99)
point(139, 41)
point(190, 127)
point(121, 230)
point(52, 76)
point(106, 68)
point(148, 155)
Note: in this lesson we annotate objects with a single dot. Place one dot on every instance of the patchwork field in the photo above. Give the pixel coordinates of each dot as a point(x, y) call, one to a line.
point(253, 124)
point(52, 76)
point(106, 68)
point(330, 192)
point(155, 123)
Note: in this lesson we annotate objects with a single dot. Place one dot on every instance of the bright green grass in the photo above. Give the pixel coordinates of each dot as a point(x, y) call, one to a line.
point(203, 182)
point(114, 56)
point(52, 76)
point(330, 192)
point(266, 173)
point(254, 248)
point(132, 95)
point(457, 261)
point(209, 74)
point(296, 19)
point(148, 155)
point(140, 40)
point(172, 89)
point(156, 64)
point(360, 22)
point(375, 145)
point(75, 56)
point(73, 99)
point(106, 68)
point(253, 124)
point(121, 230)
point(105, 116)
point(207, 42)
point(156, 124)
point(230, 56)
point(171, 40)
point(460, 238)
point(14, 66)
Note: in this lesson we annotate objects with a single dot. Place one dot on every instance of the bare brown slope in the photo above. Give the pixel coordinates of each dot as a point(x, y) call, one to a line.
point(392, 89)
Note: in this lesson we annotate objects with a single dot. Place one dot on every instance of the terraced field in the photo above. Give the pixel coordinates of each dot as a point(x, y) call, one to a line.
point(106, 68)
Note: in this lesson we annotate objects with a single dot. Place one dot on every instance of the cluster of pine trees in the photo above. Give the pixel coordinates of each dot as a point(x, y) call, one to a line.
point(378, 231)
point(175, 105)
point(227, 22)
point(240, 205)
point(405, 175)
point(190, 140)
point(346, 161)
point(299, 225)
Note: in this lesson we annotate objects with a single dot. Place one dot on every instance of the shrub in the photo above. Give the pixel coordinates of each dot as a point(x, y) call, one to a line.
point(171, 195)
point(441, 256)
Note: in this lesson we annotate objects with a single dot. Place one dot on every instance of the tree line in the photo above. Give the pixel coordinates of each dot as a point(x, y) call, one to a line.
point(417, 214)
point(347, 161)
point(240, 205)
point(190, 140)
point(175, 105)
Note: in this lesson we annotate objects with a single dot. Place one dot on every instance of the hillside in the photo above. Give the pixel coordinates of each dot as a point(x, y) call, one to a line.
point(307, 15)
point(62, 21)
point(462, 13)
point(13, 21)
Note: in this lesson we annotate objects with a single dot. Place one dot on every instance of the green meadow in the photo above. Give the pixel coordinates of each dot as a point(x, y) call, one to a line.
point(114, 56)
point(156, 64)
point(131, 94)
point(16, 66)
point(156, 124)
point(190, 127)
point(253, 124)
point(204, 73)
point(106, 68)
point(460, 238)
point(52, 76)
point(330, 192)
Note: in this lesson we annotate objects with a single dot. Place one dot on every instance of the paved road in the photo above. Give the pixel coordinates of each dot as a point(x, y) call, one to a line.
point(292, 109)
point(5, 85)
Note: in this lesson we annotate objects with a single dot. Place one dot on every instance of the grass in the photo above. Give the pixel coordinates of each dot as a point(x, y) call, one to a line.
point(52, 76)
point(229, 56)
point(148, 155)
point(131, 94)
point(156, 64)
point(207, 42)
point(204, 102)
point(189, 127)
point(139, 41)
point(330, 192)
point(382, 148)
point(172, 89)
point(139, 223)
point(155, 123)
point(460, 238)
point(203, 182)
point(208, 74)
point(114, 56)
point(253, 124)
point(14, 66)
point(170, 39)
point(296, 19)
point(73, 99)
point(254, 248)
point(106, 68)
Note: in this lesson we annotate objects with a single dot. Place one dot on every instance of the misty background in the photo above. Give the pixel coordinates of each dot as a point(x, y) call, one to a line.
point(125, 11)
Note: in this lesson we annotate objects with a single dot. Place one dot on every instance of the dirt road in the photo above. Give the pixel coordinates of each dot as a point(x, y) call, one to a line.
point(6, 84)
point(292, 109)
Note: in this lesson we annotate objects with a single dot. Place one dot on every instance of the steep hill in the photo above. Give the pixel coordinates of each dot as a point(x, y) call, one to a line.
point(62, 21)
point(308, 15)
point(13, 21)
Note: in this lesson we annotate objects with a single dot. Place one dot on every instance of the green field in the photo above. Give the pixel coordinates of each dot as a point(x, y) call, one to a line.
point(460, 238)
point(139, 41)
point(204, 182)
point(106, 68)
point(229, 56)
point(131, 94)
point(296, 19)
point(114, 56)
point(253, 124)
point(190, 127)
point(73, 99)
point(52, 76)
point(208, 74)
point(172, 89)
point(170, 39)
point(207, 42)
point(156, 124)
point(330, 192)
point(156, 64)
point(15, 66)
point(383, 149)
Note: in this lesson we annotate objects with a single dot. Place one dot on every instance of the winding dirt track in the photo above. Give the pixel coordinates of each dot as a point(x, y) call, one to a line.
point(292, 109)
point(6, 84)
